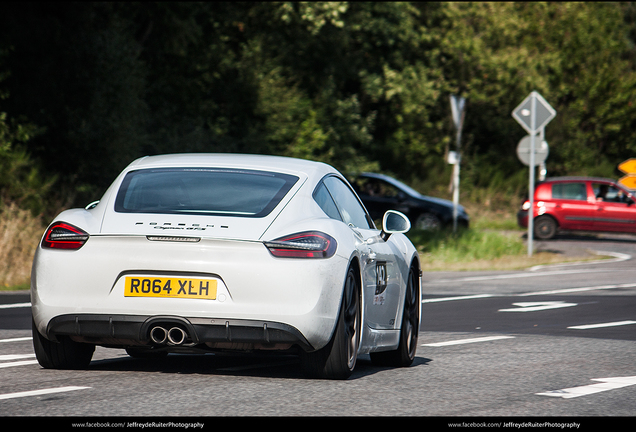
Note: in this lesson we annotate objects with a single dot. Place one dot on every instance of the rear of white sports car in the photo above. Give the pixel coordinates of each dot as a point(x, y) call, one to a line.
point(184, 255)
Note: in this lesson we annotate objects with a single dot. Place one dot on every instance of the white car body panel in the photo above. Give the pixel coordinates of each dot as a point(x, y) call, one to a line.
point(252, 285)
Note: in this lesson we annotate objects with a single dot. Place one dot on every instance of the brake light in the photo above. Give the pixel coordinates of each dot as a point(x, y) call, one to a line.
point(525, 205)
point(310, 244)
point(61, 235)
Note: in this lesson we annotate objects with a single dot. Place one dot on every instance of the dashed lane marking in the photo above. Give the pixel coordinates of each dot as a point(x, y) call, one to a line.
point(40, 392)
point(17, 339)
point(601, 325)
point(14, 305)
point(15, 356)
point(467, 341)
point(571, 290)
point(468, 297)
point(18, 363)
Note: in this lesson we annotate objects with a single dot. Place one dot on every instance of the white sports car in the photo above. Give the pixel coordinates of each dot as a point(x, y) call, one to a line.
point(206, 252)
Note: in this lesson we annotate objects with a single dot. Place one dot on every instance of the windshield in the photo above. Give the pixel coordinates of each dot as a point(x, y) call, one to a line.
point(207, 191)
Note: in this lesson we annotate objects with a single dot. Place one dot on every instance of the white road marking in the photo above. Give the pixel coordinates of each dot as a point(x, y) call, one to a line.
point(512, 276)
point(17, 339)
point(434, 300)
point(18, 363)
point(40, 392)
point(570, 290)
point(14, 305)
point(537, 306)
point(467, 341)
point(604, 385)
point(600, 325)
point(15, 356)
point(618, 257)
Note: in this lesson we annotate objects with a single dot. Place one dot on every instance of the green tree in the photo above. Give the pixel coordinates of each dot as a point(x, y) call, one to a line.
point(20, 181)
point(360, 85)
point(576, 55)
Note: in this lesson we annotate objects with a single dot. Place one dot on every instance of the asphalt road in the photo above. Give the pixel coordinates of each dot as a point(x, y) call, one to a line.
point(548, 343)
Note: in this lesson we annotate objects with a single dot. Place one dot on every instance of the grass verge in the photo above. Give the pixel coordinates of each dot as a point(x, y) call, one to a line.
point(481, 249)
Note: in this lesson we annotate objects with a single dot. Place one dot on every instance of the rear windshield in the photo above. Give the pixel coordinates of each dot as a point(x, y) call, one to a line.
point(206, 191)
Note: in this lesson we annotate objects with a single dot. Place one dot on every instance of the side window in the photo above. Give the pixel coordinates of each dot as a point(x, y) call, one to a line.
point(609, 193)
point(375, 188)
point(348, 205)
point(571, 191)
point(324, 200)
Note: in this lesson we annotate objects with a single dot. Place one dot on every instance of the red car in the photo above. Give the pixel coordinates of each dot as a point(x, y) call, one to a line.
point(581, 204)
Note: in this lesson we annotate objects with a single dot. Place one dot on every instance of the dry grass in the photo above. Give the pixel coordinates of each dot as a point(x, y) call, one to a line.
point(20, 233)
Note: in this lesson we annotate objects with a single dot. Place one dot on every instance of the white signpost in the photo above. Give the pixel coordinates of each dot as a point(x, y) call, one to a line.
point(457, 108)
point(533, 114)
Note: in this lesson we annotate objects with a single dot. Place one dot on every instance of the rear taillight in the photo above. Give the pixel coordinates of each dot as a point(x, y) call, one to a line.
point(311, 244)
point(61, 235)
point(525, 205)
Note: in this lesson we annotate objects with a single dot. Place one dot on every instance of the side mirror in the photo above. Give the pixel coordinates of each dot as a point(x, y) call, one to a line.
point(394, 222)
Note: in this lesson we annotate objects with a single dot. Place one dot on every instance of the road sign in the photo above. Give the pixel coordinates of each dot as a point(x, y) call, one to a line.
point(540, 153)
point(628, 167)
point(629, 181)
point(533, 113)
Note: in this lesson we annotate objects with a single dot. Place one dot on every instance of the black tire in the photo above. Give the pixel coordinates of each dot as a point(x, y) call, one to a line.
point(65, 354)
point(405, 353)
point(338, 358)
point(545, 227)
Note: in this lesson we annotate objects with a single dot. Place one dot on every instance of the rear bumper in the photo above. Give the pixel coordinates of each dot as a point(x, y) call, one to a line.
point(522, 218)
point(253, 289)
point(134, 330)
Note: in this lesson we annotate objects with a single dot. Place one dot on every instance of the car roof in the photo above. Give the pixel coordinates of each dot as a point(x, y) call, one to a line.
point(234, 160)
point(392, 181)
point(578, 178)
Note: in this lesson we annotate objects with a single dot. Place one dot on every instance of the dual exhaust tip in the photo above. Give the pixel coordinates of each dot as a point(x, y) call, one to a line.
point(174, 336)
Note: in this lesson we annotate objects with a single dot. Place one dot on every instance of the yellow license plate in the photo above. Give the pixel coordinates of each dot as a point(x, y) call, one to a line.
point(137, 286)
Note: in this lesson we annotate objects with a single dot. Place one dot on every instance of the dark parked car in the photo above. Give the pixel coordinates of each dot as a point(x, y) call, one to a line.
point(379, 193)
point(581, 204)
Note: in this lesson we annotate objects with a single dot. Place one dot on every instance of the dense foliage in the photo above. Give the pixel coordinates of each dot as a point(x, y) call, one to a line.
point(361, 85)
